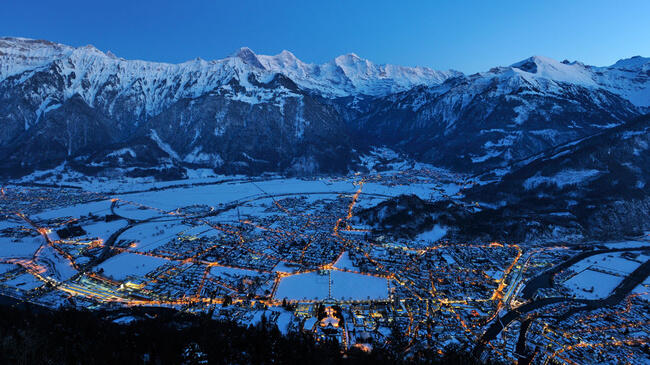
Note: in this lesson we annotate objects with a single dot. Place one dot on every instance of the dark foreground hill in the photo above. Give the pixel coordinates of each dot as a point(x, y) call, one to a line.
point(36, 336)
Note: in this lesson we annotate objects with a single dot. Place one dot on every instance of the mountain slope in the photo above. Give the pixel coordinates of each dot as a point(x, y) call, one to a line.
point(593, 189)
point(251, 113)
point(489, 120)
point(600, 182)
point(242, 113)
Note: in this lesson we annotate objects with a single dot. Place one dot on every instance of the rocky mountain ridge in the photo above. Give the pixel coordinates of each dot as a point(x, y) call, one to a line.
point(252, 113)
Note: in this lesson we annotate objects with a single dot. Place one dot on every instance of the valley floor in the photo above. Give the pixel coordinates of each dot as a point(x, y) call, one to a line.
point(291, 251)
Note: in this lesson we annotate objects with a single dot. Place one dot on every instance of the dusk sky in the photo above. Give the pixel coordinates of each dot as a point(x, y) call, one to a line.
point(469, 36)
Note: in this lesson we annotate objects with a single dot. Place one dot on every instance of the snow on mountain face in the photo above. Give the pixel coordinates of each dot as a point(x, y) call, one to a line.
point(602, 180)
point(92, 104)
point(129, 91)
point(101, 79)
point(344, 76)
point(21, 54)
point(486, 119)
point(629, 78)
point(547, 68)
point(383, 79)
point(350, 75)
point(492, 119)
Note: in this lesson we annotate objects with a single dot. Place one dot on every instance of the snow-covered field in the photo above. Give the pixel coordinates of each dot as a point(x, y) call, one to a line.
point(149, 236)
point(597, 276)
point(345, 286)
point(103, 230)
point(99, 208)
point(592, 284)
point(135, 212)
point(6, 267)
point(436, 233)
point(345, 263)
point(626, 244)
point(129, 265)
point(24, 248)
point(24, 282)
point(614, 262)
point(213, 195)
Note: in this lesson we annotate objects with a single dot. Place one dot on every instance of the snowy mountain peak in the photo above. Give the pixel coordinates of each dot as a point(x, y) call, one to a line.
point(46, 85)
point(548, 68)
point(349, 57)
point(286, 55)
point(91, 48)
point(248, 56)
point(19, 45)
point(243, 52)
point(344, 76)
point(281, 61)
point(111, 55)
point(288, 59)
point(351, 60)
point(635, 63)
point(21, 54)
point(628, 77)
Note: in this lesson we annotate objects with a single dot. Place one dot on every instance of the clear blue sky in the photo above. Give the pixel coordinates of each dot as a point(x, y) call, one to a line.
point(468, 36)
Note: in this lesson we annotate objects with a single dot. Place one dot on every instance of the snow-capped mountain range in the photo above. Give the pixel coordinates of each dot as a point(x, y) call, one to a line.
point(251, 112)
point(343, 76)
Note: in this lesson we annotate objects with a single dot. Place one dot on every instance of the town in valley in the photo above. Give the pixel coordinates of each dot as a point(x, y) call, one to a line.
point(294, 252)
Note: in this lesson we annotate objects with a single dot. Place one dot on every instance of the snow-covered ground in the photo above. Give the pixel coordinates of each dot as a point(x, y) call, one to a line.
point(149, 236)
point(283, 267)
point(130, 265)
point(24, 282)
point(614, 262)
point(63, 175)
point(131, 211)
point(99, 208)
point(345, 285)
point(102, 230)
point(213, 195)
point(58, 267)
point(592, 284)
point(597, 276)
point(436, 233)
point(24, 248)
point(561, 179)
point(625, 244)
point(6, 267)
point(643, 289)
point(345, 263)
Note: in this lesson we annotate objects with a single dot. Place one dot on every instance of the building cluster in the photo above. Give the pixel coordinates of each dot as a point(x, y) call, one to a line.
point(33, 199)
